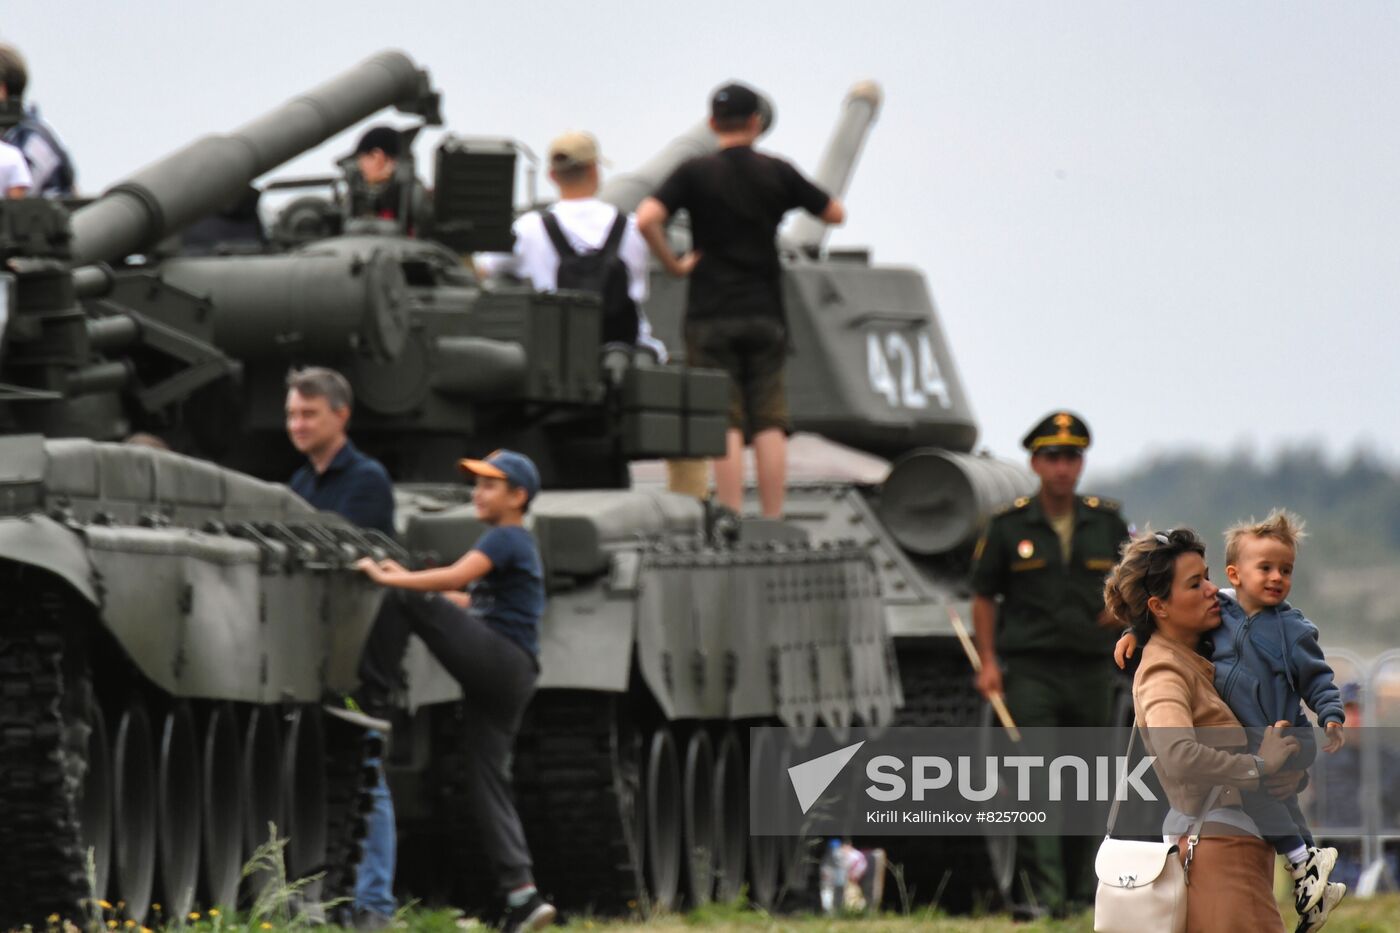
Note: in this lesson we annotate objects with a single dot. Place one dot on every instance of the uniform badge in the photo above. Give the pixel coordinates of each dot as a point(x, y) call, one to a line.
point(1025, 549)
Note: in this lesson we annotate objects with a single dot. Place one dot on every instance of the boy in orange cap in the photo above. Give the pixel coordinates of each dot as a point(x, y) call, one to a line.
point(489, 642)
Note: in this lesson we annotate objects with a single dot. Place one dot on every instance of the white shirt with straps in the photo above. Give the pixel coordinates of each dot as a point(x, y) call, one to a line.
point(586, 223)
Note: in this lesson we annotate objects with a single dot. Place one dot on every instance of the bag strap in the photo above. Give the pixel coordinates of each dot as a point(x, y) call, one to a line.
point(1117, 798)
point(556, 234)
point(614, 241)
point(1195, 833)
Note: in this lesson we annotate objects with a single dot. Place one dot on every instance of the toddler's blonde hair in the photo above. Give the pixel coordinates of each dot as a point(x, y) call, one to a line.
point(1281, 525)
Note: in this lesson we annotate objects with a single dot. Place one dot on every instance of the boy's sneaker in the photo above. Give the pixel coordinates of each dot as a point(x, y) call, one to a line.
point(534, 914)
point(1310, 878)
point(1313, 920)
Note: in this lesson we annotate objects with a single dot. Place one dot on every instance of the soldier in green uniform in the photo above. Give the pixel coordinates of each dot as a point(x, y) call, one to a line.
point(1045, 645)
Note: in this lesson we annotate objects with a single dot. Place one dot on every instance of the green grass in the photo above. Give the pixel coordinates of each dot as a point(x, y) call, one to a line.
point(1378, 915)
point(278, 909)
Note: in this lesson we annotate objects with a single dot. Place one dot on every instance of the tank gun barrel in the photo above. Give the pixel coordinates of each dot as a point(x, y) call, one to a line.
point(313, 303)
point(838, 164)
point(627, 189)
point(211, 172)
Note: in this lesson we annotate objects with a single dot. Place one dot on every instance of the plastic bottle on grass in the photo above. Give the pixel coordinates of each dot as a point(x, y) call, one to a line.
point(832, 872)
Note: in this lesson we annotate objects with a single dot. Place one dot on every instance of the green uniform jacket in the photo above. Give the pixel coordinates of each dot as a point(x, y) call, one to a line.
point(1048, 606)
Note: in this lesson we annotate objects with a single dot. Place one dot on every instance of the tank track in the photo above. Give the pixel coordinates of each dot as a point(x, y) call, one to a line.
point(348, 802)
point(44, 685)
point(42, 864)
point(578, 777)
point(576, 792)
point(954, 870)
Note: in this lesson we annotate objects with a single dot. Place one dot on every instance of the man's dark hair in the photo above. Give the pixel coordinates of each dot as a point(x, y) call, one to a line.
point(320, 382)
point(730, 124)
point(14, 74)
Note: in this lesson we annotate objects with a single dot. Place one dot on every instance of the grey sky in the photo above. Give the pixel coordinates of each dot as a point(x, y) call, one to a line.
point(1179, 219)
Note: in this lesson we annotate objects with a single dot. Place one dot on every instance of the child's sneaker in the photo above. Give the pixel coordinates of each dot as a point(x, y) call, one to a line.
point(534, 914)
point(1313, 920)
point(1310, 878)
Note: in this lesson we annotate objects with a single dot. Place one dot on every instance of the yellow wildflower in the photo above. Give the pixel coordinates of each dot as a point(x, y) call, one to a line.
point(213, 911)
point(265, 925)
point(194, 915)
point(130, 924)
point(104, 905)
point(53, 918)
point(111, 924)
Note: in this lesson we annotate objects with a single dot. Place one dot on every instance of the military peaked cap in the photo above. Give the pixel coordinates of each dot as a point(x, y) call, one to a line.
point(1061, 430)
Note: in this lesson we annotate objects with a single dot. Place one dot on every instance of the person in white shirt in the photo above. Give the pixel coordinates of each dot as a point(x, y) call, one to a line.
point(585, 222)
point(15, 180)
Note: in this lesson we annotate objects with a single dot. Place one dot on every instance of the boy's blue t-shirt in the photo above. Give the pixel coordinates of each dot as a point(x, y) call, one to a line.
point(511, 597)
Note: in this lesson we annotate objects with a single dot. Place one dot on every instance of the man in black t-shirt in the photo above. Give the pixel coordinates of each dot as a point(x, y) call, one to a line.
point(734, 316)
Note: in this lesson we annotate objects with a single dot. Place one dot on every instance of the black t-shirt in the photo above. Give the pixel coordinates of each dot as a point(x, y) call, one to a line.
point(736, 198)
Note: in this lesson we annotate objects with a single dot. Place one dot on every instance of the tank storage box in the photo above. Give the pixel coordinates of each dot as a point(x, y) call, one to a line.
point(670, 411)
point(560, 333)
point(474, 194)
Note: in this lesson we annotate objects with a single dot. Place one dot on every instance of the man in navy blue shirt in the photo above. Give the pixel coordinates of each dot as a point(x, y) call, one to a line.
point(338, 478)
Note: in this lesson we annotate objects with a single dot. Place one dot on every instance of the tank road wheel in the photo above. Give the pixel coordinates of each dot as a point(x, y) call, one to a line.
point(134, 826)
point(304, 793)
point(95, 803)
point(698, 825)
point(797, 854)
point(262, 786)
point(663, 820)
point(765, 860)
point(221, 806)
point(178, 806)
point(731, 818)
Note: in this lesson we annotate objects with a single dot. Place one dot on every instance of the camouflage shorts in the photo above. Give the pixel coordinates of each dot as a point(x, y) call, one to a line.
point(753, 351)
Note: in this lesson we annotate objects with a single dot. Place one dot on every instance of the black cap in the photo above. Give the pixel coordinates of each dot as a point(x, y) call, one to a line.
point(385, 138)
point(1058, 431)
point(734, 100)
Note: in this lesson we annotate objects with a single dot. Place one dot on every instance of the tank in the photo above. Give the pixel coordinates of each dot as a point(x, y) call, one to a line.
point(671, 627)
point(636, 737)
point(170, 627)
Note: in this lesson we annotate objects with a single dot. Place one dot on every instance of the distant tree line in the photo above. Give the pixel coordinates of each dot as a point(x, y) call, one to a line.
point(1349, 563)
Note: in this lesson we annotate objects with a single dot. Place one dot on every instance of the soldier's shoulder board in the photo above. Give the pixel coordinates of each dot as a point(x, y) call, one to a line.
point(1014, 506)
point(1102, 504)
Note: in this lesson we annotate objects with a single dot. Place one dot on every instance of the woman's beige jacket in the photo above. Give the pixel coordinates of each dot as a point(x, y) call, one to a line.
point(1197, 740)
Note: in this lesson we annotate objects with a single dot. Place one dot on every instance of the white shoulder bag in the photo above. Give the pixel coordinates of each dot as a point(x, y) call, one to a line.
point(1142, 886)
